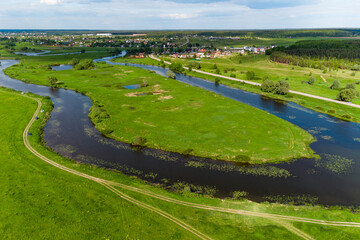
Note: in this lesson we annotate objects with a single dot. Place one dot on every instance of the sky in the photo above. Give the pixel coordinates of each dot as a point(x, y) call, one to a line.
point(178, 14)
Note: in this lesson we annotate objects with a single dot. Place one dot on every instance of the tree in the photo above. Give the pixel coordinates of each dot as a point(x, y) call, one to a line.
point(85, 64)
point(335, 85)
point(347, 95)
point(171, 74)
point(53, 81)
point(351, 86)
point(268, 86)
point(217, 81)
point(176, 67)
point(250, 75)
point(74, 61)
point(282, 87)
point(311, 80)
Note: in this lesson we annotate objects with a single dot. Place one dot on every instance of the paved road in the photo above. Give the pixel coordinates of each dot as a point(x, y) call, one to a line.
point(258, 84)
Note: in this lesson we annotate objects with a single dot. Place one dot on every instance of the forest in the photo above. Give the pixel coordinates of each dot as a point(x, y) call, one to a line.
point(320, 54)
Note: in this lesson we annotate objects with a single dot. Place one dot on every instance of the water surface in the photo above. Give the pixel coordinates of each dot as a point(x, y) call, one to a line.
point(70, 132)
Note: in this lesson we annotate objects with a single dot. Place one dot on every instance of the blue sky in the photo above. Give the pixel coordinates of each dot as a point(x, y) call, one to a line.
point(178, 14)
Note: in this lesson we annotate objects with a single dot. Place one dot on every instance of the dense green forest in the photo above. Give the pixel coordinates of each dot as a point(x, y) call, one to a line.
point(320, 54)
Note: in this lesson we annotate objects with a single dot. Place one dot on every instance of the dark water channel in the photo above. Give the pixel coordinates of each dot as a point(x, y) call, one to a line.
point(333, 180)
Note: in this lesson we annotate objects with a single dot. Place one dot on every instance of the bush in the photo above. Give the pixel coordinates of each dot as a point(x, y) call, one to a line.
point(171, 74)
point(176, 67)
point(347, 95)
point(74, 61)
point(268, 86)
point(193, 65)
point(250, 75)
point(53, 81)
point(238, 195)
point(282, 87)
point(311, 80)
point(335, 85)
point(85, 64)
point(233, 75)
point(217, 81)
point(351, 86)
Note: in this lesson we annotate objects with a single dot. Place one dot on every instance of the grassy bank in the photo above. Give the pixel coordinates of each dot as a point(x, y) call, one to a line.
point(340, 111)
point(174, 116)
point(39, 201)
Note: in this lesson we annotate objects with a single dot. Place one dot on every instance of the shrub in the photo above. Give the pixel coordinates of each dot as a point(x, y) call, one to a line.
point(347, 95)
point(268, 86)
point(176, 67)
point(335, 85)
point(139, 141)
point(311, 80)
point(282, 87)
point(74, 61)
point(53, 81)
point(233, 75)
point(350, 86)
point(217, 81)
point(171, 74)
point(238, 195)
point(85, 64)
point(250, 75)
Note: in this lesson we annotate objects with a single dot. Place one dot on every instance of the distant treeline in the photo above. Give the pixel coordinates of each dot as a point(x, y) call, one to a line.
point(263, 33)
point(320, 54)
point(344, 49)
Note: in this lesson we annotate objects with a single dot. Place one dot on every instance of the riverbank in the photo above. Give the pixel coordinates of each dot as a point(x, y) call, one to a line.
point(340, 111)
point(54, 203)
point(156, 115)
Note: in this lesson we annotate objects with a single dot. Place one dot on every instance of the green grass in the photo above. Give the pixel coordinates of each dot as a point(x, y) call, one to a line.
point(39, 201)
point(296, 76)
point(174, 116)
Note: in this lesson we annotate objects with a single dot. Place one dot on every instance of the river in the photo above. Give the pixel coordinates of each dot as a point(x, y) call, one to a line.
point(333, 180)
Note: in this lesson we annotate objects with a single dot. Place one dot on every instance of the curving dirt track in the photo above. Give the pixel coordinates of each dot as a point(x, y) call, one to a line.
point(282, 220)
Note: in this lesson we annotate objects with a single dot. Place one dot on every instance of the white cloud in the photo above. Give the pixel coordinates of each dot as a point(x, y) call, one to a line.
point(51, 2)
point(179, 15)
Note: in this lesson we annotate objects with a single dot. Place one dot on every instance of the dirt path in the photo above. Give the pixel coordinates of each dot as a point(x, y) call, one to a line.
point(322, 77)
point(258, 84)
point(112, 187)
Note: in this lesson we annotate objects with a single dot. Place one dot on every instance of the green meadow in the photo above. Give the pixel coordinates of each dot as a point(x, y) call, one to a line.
point(263, 68)
point(39, 201)
point(169, 115)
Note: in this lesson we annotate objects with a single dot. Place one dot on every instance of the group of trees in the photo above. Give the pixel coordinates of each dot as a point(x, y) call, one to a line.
point(320, 54)
point(281, 87)
point(84, 64)
point(317, 63)
point(176, 67)
point(348, 93)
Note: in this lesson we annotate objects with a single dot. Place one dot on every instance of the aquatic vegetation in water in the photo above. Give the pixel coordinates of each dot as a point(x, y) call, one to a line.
point(256, 170)
point(334, 163)
point(65, 149)
point(329, 138)
point(239, 195)
point(191, 190)
point(312, 171)
point(303, 199)
point(356, 139)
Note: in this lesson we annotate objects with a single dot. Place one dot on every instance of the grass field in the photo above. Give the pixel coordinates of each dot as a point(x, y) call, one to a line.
point(39, 201)
point(297, 78)
point(174, 116)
